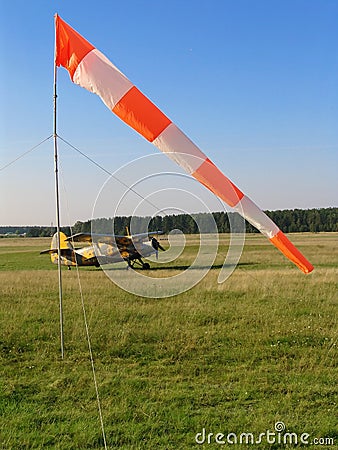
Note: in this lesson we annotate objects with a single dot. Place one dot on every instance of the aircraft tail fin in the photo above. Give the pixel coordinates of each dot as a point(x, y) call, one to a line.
point(64, 244)
point(65, 247)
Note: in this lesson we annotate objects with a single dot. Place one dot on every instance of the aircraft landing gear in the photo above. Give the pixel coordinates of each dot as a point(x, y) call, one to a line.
point(138, 262)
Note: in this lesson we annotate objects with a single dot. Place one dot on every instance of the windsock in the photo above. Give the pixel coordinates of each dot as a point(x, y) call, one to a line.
point(89, 68)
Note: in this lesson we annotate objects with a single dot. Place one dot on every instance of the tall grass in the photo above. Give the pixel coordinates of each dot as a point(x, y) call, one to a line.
point(233, 357)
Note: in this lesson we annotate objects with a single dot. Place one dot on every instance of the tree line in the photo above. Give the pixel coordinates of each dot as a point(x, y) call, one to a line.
point(289, 221)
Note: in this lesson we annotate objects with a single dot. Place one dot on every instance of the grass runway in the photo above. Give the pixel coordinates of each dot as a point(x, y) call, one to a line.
point(229, 358)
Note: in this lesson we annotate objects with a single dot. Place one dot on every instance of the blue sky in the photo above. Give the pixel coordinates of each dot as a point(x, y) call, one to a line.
point(253, 83)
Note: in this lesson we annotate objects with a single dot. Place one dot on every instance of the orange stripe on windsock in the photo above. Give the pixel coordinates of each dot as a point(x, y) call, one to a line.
point(70, 47)
point(212, 178)
point(290, 251)
point(140, 113)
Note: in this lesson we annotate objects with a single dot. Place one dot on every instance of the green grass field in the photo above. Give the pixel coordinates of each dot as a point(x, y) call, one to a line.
point(229, 358)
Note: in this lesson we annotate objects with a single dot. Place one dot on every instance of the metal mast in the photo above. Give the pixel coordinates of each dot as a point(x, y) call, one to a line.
point(57, 199)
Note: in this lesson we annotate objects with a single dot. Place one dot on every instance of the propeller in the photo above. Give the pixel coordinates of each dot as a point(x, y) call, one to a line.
point(156, 246)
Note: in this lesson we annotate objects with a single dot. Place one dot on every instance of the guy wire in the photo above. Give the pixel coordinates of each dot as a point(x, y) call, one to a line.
point(25, 153)
point(86, 327)
point(110, 174)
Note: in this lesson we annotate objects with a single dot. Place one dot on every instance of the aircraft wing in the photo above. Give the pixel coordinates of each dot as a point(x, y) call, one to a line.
point(80, 237)
point(63, 251)
point(112, 239)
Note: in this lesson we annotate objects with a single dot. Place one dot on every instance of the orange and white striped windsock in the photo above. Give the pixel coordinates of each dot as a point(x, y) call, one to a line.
point(89, 68)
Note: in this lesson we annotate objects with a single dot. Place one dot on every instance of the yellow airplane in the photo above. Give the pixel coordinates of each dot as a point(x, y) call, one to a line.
point(105, 249)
